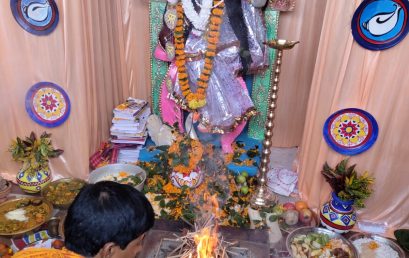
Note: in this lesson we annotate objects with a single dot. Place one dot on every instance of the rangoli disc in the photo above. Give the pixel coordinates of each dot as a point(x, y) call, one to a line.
point(48, 104)
point(350, 131)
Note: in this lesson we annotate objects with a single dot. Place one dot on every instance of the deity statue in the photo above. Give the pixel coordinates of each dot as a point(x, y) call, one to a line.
point(211, 44)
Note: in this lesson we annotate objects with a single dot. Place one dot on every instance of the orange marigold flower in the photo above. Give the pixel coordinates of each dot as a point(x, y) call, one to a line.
point(215, 20)
point(180, 62)
point(171, 189)
point(213, 33)
point(204, 77)
point(212, 40)
point(200, 83)
point(208, 66)
point(182, 76)
point(211, 47)
point(210, 54)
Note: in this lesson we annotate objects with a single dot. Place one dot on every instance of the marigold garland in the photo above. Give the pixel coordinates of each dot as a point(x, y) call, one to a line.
point(197, 99)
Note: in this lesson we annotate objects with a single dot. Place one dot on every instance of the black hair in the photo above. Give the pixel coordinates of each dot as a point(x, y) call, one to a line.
point(238, 24)
point(106, 212)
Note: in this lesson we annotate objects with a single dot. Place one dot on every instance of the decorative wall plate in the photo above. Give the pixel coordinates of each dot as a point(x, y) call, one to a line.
point(39, 17)
point(350, 131)
point(48, 104)
point(378, 25)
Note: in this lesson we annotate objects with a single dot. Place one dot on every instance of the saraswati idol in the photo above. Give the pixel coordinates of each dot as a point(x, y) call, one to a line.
point(210, 44)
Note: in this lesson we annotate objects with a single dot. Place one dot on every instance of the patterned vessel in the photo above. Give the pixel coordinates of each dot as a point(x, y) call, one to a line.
point(338, 215)
point(33, 182)
point(192, 180)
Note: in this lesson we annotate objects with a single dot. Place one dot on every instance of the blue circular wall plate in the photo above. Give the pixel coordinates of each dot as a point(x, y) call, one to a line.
point(380, 24)
point(48, 104)
point(39, 17)
point(350, 131)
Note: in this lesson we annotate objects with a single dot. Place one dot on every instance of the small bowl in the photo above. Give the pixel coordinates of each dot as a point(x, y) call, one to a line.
point(46, 189)
point(331, 234)
point(101, 173)
point(380, 239)
point(5, 192)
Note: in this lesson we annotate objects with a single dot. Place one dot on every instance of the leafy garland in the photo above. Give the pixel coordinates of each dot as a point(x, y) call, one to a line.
point(197, 99)
point(185, 154)
point(183, 203)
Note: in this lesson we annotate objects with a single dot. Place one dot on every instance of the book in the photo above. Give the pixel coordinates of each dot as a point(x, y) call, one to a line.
point(130, 109)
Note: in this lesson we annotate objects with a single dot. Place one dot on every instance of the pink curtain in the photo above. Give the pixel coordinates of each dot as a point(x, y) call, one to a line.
point(347, 75)
point(303, 24)
point(98, 53)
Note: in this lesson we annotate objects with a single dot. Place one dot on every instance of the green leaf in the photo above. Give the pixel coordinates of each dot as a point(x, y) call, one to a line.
point(273, 218)
point(162, 203)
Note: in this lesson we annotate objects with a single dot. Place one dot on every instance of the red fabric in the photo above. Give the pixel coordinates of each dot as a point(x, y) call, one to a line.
point(101, 155)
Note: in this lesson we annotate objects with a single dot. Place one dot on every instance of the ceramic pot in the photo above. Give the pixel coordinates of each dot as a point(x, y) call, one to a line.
point(33, 182)
point(338, 215)
point(192, 180)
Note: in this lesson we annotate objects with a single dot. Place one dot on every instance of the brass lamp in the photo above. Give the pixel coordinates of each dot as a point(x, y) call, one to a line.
point(263, 197)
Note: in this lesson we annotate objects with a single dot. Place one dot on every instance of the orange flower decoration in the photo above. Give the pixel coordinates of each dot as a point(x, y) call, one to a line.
point(198, 99)
point(185, 154)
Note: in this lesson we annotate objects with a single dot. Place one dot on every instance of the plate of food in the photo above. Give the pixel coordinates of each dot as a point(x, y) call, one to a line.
point(317, 242)
point(61, 193)
point(22, 215)
point(120, 173)
point(374, 246)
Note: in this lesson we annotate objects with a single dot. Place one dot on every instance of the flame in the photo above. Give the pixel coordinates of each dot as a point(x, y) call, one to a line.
point(207, 239)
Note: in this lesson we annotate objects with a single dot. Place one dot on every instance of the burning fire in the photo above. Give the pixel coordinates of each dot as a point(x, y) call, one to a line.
point(207, 238)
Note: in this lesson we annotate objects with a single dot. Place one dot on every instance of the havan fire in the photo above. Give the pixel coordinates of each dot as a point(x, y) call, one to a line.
point(205, 241)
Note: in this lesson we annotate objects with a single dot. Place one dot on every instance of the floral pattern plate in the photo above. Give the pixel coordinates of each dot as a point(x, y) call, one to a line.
point(48, 104)
point(350, 131)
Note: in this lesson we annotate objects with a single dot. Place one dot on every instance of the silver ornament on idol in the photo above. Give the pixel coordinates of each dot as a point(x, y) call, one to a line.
point(173, 2)
point(171, 18)
point(258, 3)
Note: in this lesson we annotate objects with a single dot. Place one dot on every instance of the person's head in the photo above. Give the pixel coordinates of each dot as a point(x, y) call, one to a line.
point(108, 219)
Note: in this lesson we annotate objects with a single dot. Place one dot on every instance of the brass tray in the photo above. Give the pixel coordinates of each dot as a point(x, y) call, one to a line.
point(48, 215)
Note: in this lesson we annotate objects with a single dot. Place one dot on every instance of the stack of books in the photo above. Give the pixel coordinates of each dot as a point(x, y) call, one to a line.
point(128, 130)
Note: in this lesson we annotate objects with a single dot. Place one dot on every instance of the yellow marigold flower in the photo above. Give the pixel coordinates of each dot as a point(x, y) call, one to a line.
point(217, 11)
point(195, 104)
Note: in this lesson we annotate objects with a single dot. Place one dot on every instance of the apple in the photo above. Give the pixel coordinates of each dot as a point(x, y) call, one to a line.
point(305, 216)
point(289, 206)
point(291, 217)
point(245, 174)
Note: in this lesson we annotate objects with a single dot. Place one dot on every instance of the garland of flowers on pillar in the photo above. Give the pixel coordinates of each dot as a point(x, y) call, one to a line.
point(197, 99)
